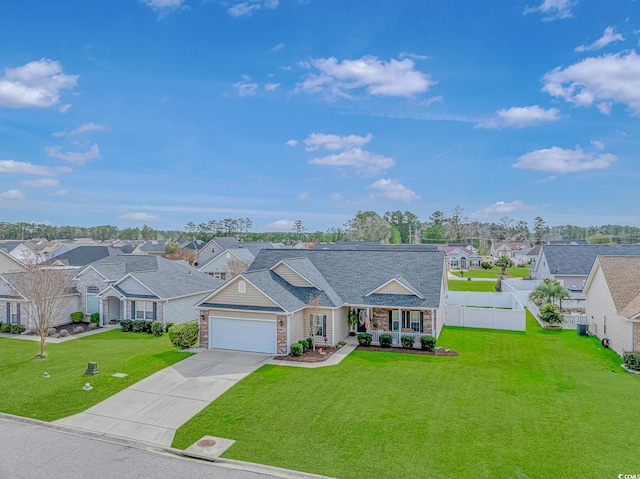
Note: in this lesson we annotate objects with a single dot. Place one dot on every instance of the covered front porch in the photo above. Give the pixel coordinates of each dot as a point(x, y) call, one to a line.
point(397, 322)
point(115, 308)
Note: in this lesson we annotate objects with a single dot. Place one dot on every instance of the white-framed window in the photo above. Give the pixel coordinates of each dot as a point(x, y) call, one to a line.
point(242, 287)
point(474, 262)
point(455, 263)
point(414, 320)
point(395, 320)
point(320, 325)
point(144, 310)
point(14, 313)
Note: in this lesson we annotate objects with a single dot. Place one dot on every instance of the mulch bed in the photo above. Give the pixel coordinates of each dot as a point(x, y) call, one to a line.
point(437, 352)
point(310, 356)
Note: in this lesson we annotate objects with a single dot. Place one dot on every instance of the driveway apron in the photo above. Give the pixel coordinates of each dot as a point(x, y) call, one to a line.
point(152, 409)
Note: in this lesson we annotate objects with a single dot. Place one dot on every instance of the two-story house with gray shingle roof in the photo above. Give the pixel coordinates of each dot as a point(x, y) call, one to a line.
point(266, 308)
point(142, 287)
point(571, 264)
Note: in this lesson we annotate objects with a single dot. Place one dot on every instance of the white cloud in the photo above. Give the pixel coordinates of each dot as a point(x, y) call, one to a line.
point(502, 208)
point(12, 196)
point(553, 9)
point(42, 183)
point(291, 142)
point(364, 162)
point(413, 56)
point(520, 116)
point(73, 156)
point(36, 84)
point(280, 225)
point(246, 87)
point(394, 190)
point(303, 196)
point(608, 37)
point(165, 7)
point(335, 142)
point(59, 193)
point(64, 108)
point(603, 80)
point(560, 160)
point(23, 168)
point(598, 144)
point(397, 78)
point(431, 100)
point(271, 86)
point(335, 197)
point(248, 7)
point(88, 127)
point(278, 47)
point(142, 217)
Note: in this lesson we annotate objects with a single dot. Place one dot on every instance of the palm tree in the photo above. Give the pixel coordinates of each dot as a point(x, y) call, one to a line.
point(550, 291)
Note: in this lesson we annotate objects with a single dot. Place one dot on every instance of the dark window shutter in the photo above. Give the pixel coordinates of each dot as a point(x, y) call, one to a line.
point(421, 322)
point(8, 312)
point(312, 326)
point(18, 312)
point(133, 310)
point(155, 310)
point(390, 320)
point(324, 325)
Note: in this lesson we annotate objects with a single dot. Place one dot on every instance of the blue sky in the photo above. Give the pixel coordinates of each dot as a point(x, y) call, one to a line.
point(169, 111)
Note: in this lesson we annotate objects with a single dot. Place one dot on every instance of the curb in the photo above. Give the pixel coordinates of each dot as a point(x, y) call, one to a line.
point(158, 449)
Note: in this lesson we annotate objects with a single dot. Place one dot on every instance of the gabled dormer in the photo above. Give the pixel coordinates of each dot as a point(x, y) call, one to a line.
point(396, 285)
point(291, 275)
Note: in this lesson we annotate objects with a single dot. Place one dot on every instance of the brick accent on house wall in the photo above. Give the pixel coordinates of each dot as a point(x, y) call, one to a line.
point(90, 278)
point(636, 336)
point(281, 333)
point(204, 328)
point(380, 318)
point(427, 322)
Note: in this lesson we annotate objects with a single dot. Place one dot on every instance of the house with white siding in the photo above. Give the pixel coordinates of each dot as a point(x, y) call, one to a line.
point(233, 260)
point(268, 307)
point(612, 293)
point(142, 287)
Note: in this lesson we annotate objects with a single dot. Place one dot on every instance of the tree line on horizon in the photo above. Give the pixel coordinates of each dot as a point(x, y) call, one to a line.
point(394, 227)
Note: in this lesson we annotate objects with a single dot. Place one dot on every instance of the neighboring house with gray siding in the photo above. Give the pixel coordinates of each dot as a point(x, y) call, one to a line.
point(571, 264)
point(612, 295)
point(142, 287)
point(266, 308)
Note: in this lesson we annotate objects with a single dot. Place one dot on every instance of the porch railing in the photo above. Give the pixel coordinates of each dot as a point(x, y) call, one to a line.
point(395, 335)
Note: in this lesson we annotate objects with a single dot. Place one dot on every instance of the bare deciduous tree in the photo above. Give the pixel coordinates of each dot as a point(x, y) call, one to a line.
point(235, 267)
point(314, 304)
point(46, 291)
point(186, 254)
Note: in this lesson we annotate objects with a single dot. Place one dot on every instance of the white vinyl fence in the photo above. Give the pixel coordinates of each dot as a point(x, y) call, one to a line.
point(569, 322)
point(484, 310)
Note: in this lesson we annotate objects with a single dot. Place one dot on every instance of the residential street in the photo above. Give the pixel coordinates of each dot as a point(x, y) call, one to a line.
point(40, 452)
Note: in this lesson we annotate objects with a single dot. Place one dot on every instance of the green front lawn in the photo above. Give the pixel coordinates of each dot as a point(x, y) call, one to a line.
point(512, 405)
point(477, 286)
point(24, 392)
point(493, 273)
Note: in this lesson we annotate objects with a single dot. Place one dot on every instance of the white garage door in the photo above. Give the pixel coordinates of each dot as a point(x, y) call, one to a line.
point(243, 334)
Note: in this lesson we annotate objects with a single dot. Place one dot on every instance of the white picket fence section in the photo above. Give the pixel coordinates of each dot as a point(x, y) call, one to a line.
point(484, 310)
point(570, 321)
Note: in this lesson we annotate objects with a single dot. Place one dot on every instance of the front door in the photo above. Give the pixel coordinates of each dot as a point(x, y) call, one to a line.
point(362, 328)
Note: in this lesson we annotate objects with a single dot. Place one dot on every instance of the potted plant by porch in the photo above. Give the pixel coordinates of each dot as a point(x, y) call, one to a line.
point(353, 320)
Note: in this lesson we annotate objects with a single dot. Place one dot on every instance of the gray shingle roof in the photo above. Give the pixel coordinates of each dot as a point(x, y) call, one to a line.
point(166, 278)
point(578, 259)
point(350, 274)
point(83, 255)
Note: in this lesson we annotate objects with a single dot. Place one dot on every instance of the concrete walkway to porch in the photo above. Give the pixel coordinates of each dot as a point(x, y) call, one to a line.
point(152, 409)
point(335, 358)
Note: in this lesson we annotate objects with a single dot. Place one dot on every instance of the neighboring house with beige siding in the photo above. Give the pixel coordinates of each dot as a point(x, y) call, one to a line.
point(9, 264)
point(612, 293)
point(266, 308)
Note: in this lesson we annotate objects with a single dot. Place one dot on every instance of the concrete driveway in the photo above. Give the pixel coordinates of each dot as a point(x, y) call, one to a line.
point(152, 409)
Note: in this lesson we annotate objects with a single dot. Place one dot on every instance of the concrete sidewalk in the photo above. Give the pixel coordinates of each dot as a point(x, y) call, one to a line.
point(152, 409)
